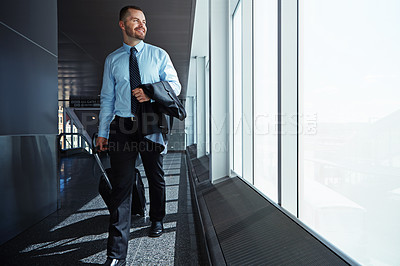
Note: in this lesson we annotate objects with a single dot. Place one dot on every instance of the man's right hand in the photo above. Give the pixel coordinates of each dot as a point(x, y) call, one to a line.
point(102, 143)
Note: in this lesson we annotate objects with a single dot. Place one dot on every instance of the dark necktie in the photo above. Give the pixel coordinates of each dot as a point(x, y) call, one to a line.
point(134, 78)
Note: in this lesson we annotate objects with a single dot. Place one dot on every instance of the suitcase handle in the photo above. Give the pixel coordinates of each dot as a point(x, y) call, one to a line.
point(96, 156)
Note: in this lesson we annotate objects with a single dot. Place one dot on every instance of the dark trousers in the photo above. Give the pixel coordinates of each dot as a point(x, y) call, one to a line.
point(124, 146)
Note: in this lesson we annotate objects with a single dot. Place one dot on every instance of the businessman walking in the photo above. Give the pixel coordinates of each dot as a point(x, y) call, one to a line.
point(124, 131)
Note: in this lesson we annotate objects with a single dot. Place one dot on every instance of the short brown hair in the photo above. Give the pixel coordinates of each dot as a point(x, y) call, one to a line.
point(124, 11)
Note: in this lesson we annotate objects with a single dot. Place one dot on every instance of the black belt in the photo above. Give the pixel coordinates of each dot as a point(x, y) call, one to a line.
point(126, 118)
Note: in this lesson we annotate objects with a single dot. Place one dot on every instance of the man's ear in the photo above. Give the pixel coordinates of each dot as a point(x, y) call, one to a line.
point(121, 25)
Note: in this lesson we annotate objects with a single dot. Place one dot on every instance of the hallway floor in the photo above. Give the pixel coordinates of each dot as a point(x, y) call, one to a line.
point(76, 234)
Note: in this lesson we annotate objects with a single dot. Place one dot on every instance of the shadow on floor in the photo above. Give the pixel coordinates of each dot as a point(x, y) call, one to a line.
point(77, 233)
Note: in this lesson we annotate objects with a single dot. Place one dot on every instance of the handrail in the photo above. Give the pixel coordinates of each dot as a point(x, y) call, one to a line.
point(75, 120)
point(76, 133)
point(84, 144)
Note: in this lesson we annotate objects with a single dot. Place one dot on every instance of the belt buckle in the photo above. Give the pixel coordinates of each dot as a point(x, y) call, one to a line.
point(132, 118)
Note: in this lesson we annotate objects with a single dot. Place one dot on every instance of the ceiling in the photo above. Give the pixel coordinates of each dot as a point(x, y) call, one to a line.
point(88, 31)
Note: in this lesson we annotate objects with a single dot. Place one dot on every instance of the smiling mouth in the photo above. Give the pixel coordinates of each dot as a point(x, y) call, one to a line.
point(140, 30)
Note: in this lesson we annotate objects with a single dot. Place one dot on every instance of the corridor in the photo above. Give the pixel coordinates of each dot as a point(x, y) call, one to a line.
point(77, 233)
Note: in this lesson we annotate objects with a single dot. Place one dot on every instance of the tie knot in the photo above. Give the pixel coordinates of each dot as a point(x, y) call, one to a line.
point(133, 50)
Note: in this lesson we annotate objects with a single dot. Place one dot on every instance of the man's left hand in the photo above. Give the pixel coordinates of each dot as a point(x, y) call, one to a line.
point(140, 95)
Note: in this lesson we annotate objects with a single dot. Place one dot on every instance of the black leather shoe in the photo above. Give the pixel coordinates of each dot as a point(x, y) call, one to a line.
point(115, 262)
point(156, 229)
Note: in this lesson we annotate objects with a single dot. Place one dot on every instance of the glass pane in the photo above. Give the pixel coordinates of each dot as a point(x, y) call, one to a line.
point(266, 97)
point(68, 146)
point(237, 90)
point(75, 137)
point(349, 81)
point(60, 119)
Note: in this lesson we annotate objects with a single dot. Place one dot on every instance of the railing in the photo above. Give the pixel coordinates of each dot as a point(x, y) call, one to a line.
point(69, 141)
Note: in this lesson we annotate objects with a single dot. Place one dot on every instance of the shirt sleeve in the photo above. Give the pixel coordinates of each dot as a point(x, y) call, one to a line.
point(168, 73)
point(107, 100)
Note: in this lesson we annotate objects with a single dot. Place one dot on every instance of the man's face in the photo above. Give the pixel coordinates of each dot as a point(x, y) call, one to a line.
point(134, 24)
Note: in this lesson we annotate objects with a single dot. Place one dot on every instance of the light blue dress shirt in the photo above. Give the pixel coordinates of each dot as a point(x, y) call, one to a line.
point(154, 66)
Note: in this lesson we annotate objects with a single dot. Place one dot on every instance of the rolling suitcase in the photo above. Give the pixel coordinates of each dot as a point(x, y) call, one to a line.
point(105, 187)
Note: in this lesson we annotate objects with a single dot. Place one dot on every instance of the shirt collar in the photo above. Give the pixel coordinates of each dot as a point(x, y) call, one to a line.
point(139, 47)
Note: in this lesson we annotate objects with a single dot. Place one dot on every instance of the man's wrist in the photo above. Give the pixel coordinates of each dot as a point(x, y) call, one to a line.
point(103, 135)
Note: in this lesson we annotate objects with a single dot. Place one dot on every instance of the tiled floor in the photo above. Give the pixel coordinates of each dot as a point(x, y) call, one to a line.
point(77, 233)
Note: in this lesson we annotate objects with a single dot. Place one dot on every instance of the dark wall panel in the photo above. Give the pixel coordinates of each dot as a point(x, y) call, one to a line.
point(28, 88)
point(28, 183)
point(37, 20)
point(28, 113)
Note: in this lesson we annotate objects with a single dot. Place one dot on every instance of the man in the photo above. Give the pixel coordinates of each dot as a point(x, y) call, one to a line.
point(121, 124)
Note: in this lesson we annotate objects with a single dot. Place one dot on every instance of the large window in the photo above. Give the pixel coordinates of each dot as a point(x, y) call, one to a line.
point(266, 97)
point(349, 74)
point(237, 127)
